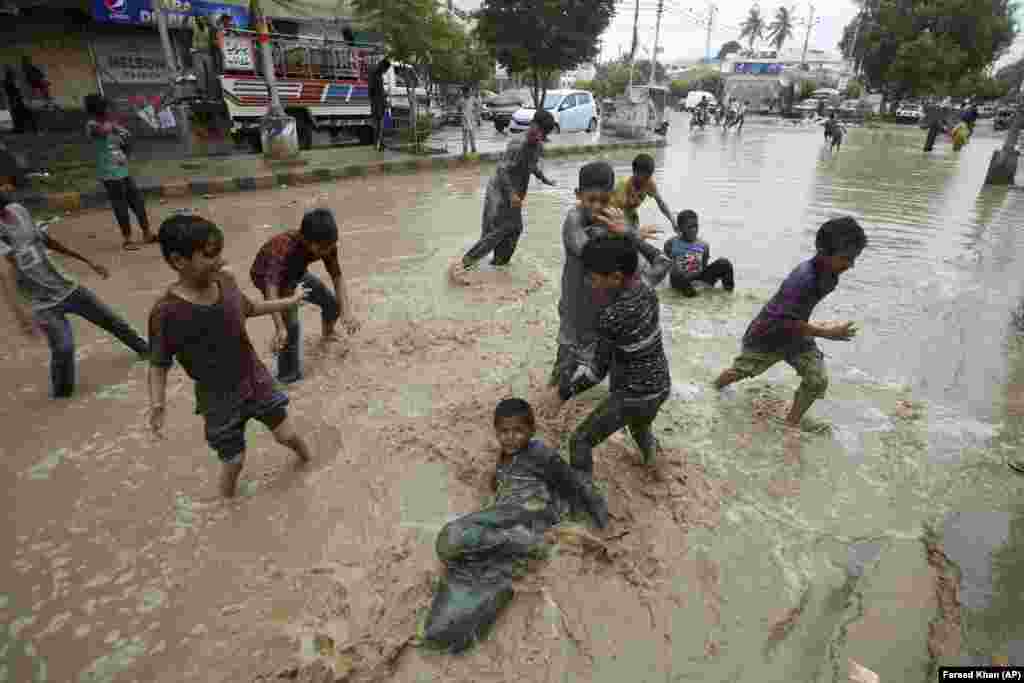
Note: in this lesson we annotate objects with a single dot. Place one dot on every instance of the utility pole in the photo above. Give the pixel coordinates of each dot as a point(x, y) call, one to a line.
point(632, 52)
point(712, 8)
point(807, 38)
point(657, 30)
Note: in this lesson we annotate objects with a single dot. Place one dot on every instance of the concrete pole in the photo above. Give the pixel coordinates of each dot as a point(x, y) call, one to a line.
point(712, 8)
point(632, 54)
point(807, 38)
point(657, 31)
point(182, 113)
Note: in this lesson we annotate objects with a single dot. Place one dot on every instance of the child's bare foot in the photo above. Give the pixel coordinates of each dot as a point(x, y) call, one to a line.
point(458, 273)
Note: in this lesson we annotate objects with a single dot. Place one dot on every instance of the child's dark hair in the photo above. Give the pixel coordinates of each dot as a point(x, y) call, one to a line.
point(840, 236)
point(318, 226)
point(684, 216)
point(184, 235)
point(597, 176)
point(514, 407)
point(5, 199)
point(96, 105)
point(643, 164)
point(609, 255)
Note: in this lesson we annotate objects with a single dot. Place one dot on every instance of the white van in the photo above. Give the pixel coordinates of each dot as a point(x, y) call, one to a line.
point(695, 96)
point(572, 109)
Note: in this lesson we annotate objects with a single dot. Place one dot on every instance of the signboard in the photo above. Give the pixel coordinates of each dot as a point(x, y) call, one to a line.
point(130, 62)
point(238, 53)
point(758, 68)
point(179, 15)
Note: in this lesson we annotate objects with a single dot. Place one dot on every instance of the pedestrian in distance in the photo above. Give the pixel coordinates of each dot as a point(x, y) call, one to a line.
point(782, 331)
point(282, 265)
point(502, 222)
point(578, 365)
point(468, 121)
point(111, 144)
point(690, 259)
point(29, 276)
point(200, 321)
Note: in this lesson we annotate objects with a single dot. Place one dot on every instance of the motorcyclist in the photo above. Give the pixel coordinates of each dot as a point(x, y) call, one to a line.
point(702, 111)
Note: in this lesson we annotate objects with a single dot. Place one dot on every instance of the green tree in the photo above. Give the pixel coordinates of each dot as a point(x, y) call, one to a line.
point(927, 46)
point(543, 37)
point(853, 90)
point(807, 89)
point(728, 48)
point(753, 27)
point(781, 28)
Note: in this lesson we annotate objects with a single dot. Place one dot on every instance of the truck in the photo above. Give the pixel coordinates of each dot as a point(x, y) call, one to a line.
point(323, 83)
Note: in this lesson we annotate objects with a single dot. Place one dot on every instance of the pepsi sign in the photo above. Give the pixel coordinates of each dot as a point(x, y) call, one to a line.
point(179, 12)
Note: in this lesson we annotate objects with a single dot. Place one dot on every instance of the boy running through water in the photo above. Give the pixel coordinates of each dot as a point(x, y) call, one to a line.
point(631, 192)
point(502, 222)
point(281, 265)
point(629, 333)
point(783, 331)
point(52, 295)
point(591, 219)
point(200, 320)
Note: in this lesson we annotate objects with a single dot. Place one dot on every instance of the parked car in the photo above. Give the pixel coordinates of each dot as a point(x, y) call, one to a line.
point(810, 105)
point(1004, 117)
point(485, 110)
point(502, 107)
point(987, 110)
point(572, 109)
point(910, 112)
point(849, 108)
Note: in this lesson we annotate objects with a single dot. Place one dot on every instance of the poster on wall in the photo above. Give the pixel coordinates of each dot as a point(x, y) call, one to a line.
point(141, 12)
point(238, 53)
point(127, 62)
point(758, 68)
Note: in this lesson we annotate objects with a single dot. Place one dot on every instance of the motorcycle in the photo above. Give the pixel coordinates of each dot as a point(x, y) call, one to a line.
point(662, 128)
point(698, 118)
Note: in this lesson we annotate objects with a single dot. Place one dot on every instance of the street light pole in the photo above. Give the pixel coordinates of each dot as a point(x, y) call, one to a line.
point(657, 31)
point(807, 38)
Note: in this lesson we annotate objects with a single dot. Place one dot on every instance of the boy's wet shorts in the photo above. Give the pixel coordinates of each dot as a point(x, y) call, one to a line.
point(809, 363)
point(226, 433)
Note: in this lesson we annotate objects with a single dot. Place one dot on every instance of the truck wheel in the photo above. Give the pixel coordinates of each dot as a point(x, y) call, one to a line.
point(499, 125)
point(304, 132)
point(366, 135)
point(255, 142)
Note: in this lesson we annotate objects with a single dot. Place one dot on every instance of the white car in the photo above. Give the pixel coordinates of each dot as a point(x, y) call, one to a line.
point(910, 112)
point(808, 105)
point(572, 109)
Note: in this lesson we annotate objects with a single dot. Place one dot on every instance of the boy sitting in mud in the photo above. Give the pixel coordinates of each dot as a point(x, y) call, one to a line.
point(502, 222)
point(480, 549)
point(631, 192)
point(629, 342)
point(281, 265)
point(591, 219)
point(783, 331)
point(690, 258)
point(200, 320)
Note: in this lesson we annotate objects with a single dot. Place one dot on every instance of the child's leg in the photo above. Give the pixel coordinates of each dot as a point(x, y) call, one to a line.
point(639, 420)
point(747, 364)
point(720, 269)
point(606, 419)
point(289, 360)
point(229, 473)
point(138, 205)
point(225, 433)
point(119, 204)
point(509, 222)
point(505, 248)
point(277, 422)
point(810, 365)
point(323, 297)
point(61, 339)
point(680, 281)
point(84, 303)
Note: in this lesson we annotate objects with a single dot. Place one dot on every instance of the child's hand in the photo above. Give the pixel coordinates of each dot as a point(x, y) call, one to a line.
point(613, 219)
point(28, 327)
point(302, 293)
point(100, 270)
point(279, 341)
point(842, 331)
point(156, 420)
point(517, 200)
point(649, 231)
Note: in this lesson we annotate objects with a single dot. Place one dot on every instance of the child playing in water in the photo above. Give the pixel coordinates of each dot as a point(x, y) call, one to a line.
point(834, 132)
point(631, 192)
point(502, 222)
point(534, 487)
point(629, 339)
point(592, 218)
point(690, 259)
point(200, 320)
point(52, 295)
point(281, 265)
point(782, 331)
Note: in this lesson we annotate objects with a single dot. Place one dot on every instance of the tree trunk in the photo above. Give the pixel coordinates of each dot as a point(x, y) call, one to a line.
point(1002, 169)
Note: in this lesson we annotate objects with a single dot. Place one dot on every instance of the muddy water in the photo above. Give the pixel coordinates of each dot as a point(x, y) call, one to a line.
point(891, 519)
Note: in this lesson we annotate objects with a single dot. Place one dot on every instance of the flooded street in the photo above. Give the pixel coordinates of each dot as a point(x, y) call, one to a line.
point(891, 531)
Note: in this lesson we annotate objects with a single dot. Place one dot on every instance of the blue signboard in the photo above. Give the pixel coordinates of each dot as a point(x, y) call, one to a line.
point(758, 68)
point(141, 13)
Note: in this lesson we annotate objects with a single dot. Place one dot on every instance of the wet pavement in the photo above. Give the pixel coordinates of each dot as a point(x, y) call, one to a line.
point(889, 531)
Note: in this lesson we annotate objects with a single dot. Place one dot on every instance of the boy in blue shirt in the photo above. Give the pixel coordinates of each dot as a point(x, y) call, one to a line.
point(783, 331)
point(690, 258)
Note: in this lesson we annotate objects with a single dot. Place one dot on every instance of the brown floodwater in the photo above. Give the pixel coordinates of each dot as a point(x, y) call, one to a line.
point(888, 531)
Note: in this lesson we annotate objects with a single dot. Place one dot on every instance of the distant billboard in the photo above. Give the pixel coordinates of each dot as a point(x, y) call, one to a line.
point(758, 68)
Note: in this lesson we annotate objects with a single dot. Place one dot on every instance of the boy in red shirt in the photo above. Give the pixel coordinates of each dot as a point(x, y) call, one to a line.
point(200, 320)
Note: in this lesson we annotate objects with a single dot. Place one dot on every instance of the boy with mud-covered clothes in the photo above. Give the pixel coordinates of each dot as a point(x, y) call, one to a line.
point(502, 222)
point(592, 218)
point(200, 320)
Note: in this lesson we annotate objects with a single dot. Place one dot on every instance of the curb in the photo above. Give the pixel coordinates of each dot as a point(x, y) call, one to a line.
point(198, 186)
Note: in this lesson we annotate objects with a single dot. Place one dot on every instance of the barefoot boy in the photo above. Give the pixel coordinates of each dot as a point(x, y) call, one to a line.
point(502, 222)
point(201, 322)
point(631, 192)
point(690, 257)
point(29, 274)
point(783, 331)
point(281, 265)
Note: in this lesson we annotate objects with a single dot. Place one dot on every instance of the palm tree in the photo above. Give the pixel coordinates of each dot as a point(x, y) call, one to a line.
point(781, 29)
point(753, 27)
